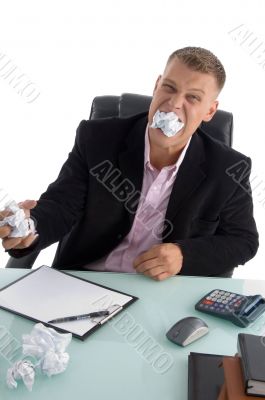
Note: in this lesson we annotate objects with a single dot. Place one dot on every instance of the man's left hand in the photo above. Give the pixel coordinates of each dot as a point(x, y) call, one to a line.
point(160, 261)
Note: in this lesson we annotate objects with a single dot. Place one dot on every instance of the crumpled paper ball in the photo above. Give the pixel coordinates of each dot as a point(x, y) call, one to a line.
point(21, 370)
point(47, 347)
point(21, 226)
point(169, 123)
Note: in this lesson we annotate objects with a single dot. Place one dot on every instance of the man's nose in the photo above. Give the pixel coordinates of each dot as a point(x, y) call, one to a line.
point(176, 101)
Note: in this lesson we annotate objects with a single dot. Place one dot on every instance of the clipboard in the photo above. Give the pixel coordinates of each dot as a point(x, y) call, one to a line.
point(45, 294)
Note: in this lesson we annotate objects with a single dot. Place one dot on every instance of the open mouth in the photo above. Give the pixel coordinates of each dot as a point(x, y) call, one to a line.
point(179, 119)
point(169, 122)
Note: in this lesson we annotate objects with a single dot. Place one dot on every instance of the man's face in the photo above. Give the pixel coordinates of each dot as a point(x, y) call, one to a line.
point(190, 94)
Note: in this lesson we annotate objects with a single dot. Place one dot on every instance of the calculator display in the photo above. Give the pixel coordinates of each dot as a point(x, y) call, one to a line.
point(237, 308)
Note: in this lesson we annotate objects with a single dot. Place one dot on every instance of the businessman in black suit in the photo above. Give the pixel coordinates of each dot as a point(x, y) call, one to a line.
point(208, 226)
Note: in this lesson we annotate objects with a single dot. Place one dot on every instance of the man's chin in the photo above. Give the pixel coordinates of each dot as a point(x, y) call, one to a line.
point(177, 134)
point(158, 138)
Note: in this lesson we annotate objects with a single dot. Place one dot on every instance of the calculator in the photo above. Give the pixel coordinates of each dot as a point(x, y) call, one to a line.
point(237, 308)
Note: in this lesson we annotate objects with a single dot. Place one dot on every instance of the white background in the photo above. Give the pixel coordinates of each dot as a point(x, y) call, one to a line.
point(76, 50)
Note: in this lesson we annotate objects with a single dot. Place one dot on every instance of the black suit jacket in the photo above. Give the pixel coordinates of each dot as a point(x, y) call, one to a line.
point(91, 206)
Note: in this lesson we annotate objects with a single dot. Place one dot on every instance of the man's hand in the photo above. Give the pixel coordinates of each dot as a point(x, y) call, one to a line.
point(160, 262)
point(22, 242)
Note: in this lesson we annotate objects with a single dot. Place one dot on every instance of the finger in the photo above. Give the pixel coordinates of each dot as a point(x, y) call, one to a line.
point(10, 243)
point(157, 245)
point(162, 276)
point(4, 231)
point(146, 265)
point(147, 255)
point(154, 272)
point(5, 213)
point(26, 242)
point(26, 212)
point(28, 204)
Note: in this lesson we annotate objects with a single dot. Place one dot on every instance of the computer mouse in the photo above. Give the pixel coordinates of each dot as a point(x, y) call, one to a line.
point(187, 330)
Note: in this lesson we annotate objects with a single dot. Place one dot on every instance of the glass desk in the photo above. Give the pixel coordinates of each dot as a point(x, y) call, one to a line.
point(130, 357)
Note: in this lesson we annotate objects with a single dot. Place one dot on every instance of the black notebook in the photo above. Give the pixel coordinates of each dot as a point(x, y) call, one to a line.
point(251, 349)
point(205, 377)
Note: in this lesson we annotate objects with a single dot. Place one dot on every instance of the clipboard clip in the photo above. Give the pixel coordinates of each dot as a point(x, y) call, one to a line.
point(114, 309)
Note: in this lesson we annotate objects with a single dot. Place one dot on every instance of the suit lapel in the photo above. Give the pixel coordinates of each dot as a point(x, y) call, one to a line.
point(189, 177)
point(131, 161)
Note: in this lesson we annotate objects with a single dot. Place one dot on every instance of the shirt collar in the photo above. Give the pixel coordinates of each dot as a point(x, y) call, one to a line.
point(147, 162)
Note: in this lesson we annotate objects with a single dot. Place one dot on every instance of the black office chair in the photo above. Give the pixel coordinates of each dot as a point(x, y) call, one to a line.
point(128, 104)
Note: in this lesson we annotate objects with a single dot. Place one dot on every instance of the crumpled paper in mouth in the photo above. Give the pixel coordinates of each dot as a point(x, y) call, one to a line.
point(168, 122)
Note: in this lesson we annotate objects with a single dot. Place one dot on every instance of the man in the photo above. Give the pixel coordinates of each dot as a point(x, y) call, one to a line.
point(151, 194)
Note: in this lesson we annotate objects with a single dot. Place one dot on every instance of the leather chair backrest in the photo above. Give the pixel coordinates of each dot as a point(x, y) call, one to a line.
point(128, 104)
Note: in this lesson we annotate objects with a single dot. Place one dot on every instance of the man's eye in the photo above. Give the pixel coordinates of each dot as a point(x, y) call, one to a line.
point(166, 85)
point(193, 97)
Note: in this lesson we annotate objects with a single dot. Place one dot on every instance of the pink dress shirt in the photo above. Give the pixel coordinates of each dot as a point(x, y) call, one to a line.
point(150, 215)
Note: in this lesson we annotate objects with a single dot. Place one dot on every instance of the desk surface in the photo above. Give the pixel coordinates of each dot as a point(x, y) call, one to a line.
point(130, 357)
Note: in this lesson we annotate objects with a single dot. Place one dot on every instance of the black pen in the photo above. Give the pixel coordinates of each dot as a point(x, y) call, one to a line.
point(94, 314)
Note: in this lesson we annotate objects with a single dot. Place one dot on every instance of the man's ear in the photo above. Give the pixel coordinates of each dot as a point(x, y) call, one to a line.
point(157, 82)
point(211, 112)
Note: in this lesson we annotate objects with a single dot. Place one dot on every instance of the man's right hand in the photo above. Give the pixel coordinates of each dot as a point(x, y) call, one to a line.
point(18, 242)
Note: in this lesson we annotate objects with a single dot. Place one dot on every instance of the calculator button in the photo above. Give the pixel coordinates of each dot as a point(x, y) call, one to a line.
point(232, 295)
point(218, 296)
point(208, 298)
point(224, 301)
point(219, 300)
point(221, 292)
